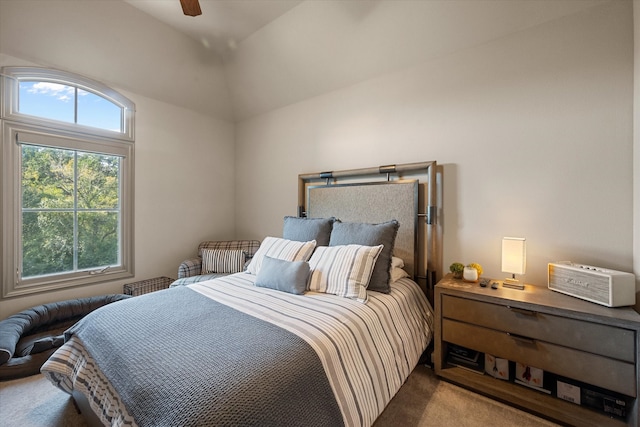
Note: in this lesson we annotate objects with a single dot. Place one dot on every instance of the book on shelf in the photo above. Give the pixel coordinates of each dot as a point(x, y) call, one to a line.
point(463, 353)
point(465, 358)
point(474, 369)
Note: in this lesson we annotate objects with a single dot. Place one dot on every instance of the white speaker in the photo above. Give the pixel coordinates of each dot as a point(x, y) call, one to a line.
point(602, 286)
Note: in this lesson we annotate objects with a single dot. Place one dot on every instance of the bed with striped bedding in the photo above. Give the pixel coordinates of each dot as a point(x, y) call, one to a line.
point(366, 351)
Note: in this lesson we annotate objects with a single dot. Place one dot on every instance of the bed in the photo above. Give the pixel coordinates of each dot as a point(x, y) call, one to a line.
point(298, 338)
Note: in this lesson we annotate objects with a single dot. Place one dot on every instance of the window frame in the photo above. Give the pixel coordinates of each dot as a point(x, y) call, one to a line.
point(11, 77)
point(52, 133)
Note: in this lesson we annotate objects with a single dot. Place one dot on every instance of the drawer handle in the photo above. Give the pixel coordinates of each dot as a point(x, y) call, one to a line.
point(520, 338)
point(522, 311)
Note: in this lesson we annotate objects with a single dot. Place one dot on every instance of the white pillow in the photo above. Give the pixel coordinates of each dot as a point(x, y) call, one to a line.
point(397, 274)
point(343, 270)
point(396, 262)
point(286, 250)
point(222, 260)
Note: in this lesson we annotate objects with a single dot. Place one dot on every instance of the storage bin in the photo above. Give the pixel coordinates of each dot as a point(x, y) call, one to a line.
point(146, 286)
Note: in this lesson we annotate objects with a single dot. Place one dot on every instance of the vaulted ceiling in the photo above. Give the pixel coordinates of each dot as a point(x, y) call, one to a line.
point(278, 52)
point(223, 23)
point(244, 58)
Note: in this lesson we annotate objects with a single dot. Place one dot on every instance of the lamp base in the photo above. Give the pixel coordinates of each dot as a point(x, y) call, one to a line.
point(512, 284)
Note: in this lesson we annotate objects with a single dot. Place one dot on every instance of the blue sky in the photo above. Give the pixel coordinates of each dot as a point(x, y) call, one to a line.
point(56, 101)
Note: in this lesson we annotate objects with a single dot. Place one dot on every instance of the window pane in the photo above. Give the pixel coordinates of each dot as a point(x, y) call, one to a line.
point(47, 178)
point(56, 207)
point(49, 100)
point(67, 163)
point(97, 239)
point(96, 111)
point(47, 243)
point(98, 181)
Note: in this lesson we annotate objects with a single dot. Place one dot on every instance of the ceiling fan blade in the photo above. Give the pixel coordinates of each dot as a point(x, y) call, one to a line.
point(191, 7)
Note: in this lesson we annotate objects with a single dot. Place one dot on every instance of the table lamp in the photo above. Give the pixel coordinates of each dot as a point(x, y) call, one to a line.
point(514, 260)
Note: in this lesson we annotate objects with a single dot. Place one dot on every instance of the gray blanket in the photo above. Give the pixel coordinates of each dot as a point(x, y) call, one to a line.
point(178, 358)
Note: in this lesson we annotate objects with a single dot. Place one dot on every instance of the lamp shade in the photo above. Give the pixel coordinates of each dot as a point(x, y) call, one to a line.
point(514, 255)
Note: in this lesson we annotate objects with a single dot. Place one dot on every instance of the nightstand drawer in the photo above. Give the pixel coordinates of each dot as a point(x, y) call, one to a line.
point(595, 338)
point(602, 371)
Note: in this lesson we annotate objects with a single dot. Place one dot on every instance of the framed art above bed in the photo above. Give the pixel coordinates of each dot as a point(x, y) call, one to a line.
point(408, 193)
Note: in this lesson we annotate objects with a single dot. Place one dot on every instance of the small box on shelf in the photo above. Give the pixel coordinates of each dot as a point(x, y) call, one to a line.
point(534, 378)
point(605, 401)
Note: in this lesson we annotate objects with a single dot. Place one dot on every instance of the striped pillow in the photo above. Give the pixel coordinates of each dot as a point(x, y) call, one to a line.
point(222, 261)
point(343, 270)
point(286, 250)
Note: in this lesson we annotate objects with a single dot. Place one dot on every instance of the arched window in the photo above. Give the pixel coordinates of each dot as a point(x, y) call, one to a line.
point(67, 181)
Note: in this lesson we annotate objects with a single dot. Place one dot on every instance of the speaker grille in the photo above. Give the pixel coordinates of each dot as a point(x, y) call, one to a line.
point(579, 283)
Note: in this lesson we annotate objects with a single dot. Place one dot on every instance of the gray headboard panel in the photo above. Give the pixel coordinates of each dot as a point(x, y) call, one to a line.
point(409, 193)
point(373, 203)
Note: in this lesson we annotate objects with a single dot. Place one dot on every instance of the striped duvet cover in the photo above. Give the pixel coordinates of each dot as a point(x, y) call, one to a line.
point(367, 350)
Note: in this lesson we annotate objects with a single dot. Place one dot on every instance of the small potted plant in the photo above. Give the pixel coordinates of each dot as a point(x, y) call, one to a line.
point(456, 269)
point(472, 272)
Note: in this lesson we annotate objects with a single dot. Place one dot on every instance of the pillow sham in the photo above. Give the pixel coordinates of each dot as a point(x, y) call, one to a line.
point(345, 233)
point(396, 262)
point(285, 276)
point(287, 250)
point(222, 260)
point(306, 229)
point(398, 273)
point(343, 270)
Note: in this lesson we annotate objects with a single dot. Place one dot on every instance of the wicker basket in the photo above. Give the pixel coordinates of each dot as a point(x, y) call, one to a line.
point(146, 286)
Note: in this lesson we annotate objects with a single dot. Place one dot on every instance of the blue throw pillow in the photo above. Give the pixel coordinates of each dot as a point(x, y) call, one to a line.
point(306, 229)
point(285, 276)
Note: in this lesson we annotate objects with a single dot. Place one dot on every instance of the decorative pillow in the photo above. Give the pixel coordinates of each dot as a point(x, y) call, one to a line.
point(222, 261)
point(287, 250)
point(305, 229)
point(346, 233)
point(286, 276)
point(343, 270)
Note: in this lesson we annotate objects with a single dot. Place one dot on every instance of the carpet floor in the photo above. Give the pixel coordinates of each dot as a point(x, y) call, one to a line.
point(423, 401)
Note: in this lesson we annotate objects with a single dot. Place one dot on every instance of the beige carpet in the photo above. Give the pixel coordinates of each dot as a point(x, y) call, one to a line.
point(422, 401)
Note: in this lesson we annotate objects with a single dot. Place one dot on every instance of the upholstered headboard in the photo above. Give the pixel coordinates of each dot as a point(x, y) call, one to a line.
point(376, 195)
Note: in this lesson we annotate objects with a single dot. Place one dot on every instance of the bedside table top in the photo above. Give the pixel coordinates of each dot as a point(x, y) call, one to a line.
point(539, 298)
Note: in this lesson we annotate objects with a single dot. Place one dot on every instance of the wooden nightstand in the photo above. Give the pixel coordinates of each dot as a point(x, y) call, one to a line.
point(562, 335)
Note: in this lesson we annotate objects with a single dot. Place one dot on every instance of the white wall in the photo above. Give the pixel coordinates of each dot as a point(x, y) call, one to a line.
point(183, 158)
point(534, 130)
